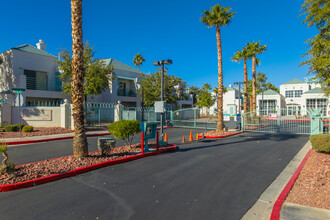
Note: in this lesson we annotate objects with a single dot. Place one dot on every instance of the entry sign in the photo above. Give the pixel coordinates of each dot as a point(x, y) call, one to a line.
point(160, 106)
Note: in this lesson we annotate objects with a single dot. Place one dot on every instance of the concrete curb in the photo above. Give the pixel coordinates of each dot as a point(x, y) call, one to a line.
point(47, 179)
point(51, 139)
point(292, 211)
point(221, 136)
point(262, 208)
point(279, 202)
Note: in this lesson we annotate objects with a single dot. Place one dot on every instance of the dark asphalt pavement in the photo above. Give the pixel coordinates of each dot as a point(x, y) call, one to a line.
point(210, 179)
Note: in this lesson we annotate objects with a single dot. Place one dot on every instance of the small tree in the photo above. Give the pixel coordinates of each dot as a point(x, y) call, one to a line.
point(97, 75)
point(5, 167)
point(205, 97)
point(174, 88)
point(125, 130)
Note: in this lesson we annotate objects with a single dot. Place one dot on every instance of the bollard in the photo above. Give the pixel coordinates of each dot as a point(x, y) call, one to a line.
point(142, 143)
point(157, 140)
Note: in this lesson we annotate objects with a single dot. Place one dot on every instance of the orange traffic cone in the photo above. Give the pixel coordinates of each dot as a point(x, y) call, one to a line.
point(197, 138)
point(183, 140)
point(165, 138)
point(190, 136)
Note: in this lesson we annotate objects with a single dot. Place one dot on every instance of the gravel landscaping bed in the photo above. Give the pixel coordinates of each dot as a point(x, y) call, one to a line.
point(217, 133)
point(43, 131)
point(64, 164)
point(312, 187)
point(37, 131)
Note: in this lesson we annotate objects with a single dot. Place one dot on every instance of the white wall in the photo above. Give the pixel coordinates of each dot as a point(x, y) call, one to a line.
point(38, 116)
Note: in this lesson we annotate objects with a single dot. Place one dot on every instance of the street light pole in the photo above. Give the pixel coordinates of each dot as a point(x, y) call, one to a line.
point(239, 102)
point(162, 63)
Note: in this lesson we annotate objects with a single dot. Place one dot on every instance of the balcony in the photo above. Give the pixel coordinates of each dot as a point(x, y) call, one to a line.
point(126, 92)
point(33, 83)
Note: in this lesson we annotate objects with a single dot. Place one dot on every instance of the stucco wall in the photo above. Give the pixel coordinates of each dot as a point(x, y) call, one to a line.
point(38, 116)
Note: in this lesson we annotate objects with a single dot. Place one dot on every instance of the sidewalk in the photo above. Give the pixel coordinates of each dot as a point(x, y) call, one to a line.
point(27, 140)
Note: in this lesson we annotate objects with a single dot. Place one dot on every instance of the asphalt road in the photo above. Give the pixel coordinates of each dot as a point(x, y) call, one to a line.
point(211, 179)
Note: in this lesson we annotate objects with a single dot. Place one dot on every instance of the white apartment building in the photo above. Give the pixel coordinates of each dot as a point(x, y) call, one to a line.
point(35, 70)
point(296, 96)
point(232, 100)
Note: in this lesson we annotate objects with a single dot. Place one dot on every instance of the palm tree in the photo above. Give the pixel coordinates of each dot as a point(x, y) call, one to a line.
point(80, 145)
point(255, 48)
point(239, 56)
point(138, 60)
point(218, 16)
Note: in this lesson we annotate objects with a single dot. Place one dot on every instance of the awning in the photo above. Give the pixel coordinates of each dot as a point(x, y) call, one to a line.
point(126, 78)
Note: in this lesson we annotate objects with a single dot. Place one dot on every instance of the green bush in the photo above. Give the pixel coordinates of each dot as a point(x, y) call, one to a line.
point(12, 128)
point(125, 130)
point(27, 128)
point(321, 143)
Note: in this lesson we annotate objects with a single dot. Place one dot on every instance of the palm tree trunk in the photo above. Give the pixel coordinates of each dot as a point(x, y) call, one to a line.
point(220, 82)
point(138, 66)
point(245, 105)
point(254, 84)
point(251, 104)
point(80, 145)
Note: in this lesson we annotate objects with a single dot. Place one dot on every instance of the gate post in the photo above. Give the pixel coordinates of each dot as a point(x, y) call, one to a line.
point(194, 117)
point(315, 121)
point(242, 122)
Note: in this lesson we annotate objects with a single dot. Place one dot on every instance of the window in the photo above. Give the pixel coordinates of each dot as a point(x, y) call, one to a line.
point(267, 106)
point(289, 94)
point(317, 103)
point(293, 93)
point(298, 93)
point(36, 80)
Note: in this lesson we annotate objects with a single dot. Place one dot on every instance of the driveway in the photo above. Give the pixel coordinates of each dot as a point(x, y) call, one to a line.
point(210, 179)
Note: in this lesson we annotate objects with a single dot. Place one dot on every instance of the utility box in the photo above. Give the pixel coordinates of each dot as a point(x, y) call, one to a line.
point(148, 129)
point(160, 106)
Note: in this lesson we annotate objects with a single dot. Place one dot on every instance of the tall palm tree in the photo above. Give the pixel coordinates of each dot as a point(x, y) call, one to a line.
point(218, 16)
point(239, 56)
point(255, 48)
point(80, 145)
point(138, 60)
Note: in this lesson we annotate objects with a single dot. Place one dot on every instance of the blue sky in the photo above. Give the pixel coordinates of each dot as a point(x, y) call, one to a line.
point(168, 30)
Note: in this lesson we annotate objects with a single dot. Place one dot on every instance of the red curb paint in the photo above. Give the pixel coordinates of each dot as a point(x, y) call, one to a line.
point(279, 202)
point(157, 140)
point(51, 139)
point(142, 143)
point(221, 136)
point(54, 177)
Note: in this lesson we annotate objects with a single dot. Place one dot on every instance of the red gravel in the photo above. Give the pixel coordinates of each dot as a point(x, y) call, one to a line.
point(217, 133)
point(42, 131)
point(64, 164)
point(312, 187)
point(37, 131)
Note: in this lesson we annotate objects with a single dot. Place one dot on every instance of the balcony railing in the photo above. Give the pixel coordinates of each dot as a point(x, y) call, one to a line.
point(43, 84)
point(129, 93)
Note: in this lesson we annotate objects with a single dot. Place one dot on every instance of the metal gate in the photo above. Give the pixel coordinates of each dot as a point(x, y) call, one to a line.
point(284, 121)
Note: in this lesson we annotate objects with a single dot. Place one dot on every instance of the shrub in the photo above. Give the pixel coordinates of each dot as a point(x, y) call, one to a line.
point(321, 142)
point(125, 130)
point(27, 128)
point(12, 128)
point(8, 128)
